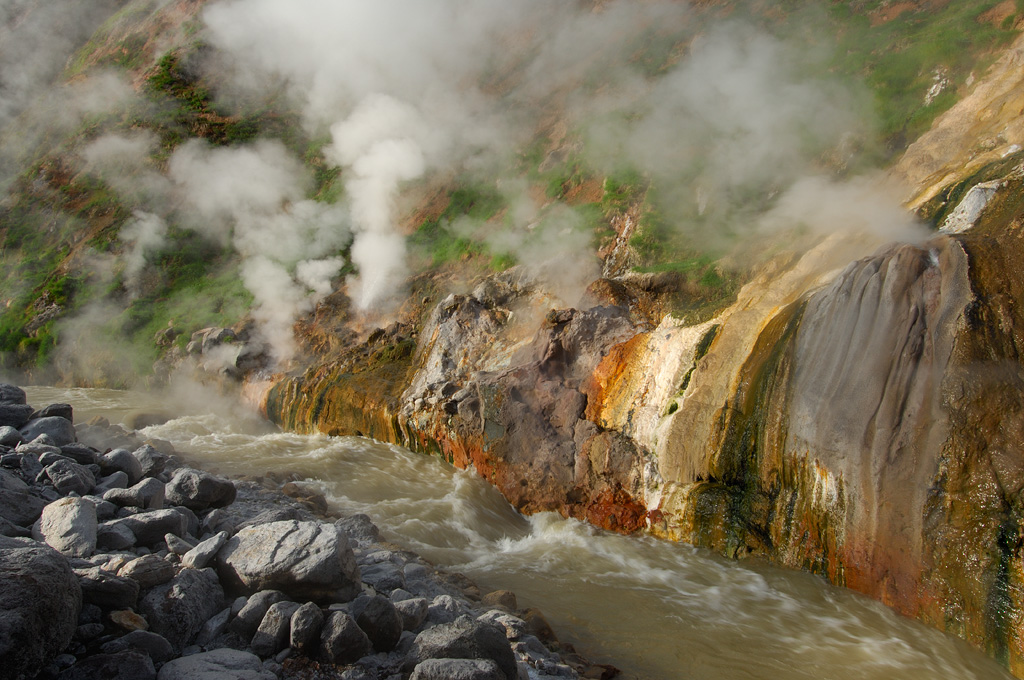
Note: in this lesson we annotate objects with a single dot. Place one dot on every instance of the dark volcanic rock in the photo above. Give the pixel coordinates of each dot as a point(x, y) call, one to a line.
point(250, 616)
point(126, 664)
point(198, 490)
point(59, 430)
point(107, 590)
point(306, 623)
point(381, 623)
point(178, 610)
point(68, 476)
point(11, 394)
point(218, 664)
point(154, 646)
point(16, 504)
point(40, 600)
point(15, 415)
point(342, 640)
point(464, 639)
point(272, 635)
point(56, 410)
point(457, 669)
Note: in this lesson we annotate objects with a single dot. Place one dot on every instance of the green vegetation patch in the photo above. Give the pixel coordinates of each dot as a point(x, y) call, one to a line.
point(903, 58)
point(475, 202)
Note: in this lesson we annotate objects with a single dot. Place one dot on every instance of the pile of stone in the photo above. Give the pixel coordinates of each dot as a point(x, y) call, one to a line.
point(124, 563)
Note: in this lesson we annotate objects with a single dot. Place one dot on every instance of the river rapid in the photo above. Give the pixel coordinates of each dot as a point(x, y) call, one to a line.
point(657, 610)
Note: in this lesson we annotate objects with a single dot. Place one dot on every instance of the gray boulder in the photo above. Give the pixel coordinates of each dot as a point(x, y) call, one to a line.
point(150, 527)
point(114, 535)
point(199, 557)
point(148, 571)
point(8, 528)
point(360, 528)
point(307, 621)
point(17, 505)
point(151, 491)
point(59, 430)
point(104, 510)
point(107, 590)
point(68, 526)
point(457, 669)
point(59, 410)
point(124, 461)
point(214, 627)
point(12, 394)
point(192, 525)
point(198, 490)
point(178, 546)
point(15, 415)
point(149, 494)
point(218, 664)
point(179, 609)
point(40, 600)
point(342, 640)
point(306, 560)
point(381, 623)
point(151, 460)
point(68, 476)
point(444, 609)
point(10, 436)
point(129, 663)
point(154, 646)
point(272, 635)
point(464, 639)
point(383, 576)
point(413, 612)
point(80, 453)
point(115, 480)
point(249, 618)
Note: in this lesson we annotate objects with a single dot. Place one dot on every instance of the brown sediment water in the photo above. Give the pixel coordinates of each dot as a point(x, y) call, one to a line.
point(657, 610)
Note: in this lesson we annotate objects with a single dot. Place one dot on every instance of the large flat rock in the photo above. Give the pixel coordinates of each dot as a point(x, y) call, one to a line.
point(305, 560)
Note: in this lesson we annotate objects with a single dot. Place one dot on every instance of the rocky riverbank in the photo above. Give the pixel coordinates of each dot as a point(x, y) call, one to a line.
point(118, 560)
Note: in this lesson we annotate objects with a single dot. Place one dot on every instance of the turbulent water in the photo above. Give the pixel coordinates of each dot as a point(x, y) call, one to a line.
point(657, 610)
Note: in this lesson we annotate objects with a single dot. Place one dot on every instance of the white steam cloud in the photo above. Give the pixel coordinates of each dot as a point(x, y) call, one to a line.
point(401, 91)
point(251, 198)
point(406, 87)
point(36, 40)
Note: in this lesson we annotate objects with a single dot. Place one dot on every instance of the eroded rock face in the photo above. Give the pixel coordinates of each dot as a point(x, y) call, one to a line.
point(305, 560)
point(39, 604)
point(860, 420)
point(490, 391)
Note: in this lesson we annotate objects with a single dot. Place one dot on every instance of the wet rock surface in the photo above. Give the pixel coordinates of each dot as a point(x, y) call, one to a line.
point(229, 579)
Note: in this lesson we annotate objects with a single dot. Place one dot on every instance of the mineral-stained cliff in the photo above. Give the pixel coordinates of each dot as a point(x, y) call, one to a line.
point(859, 417)
point(861, 420)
